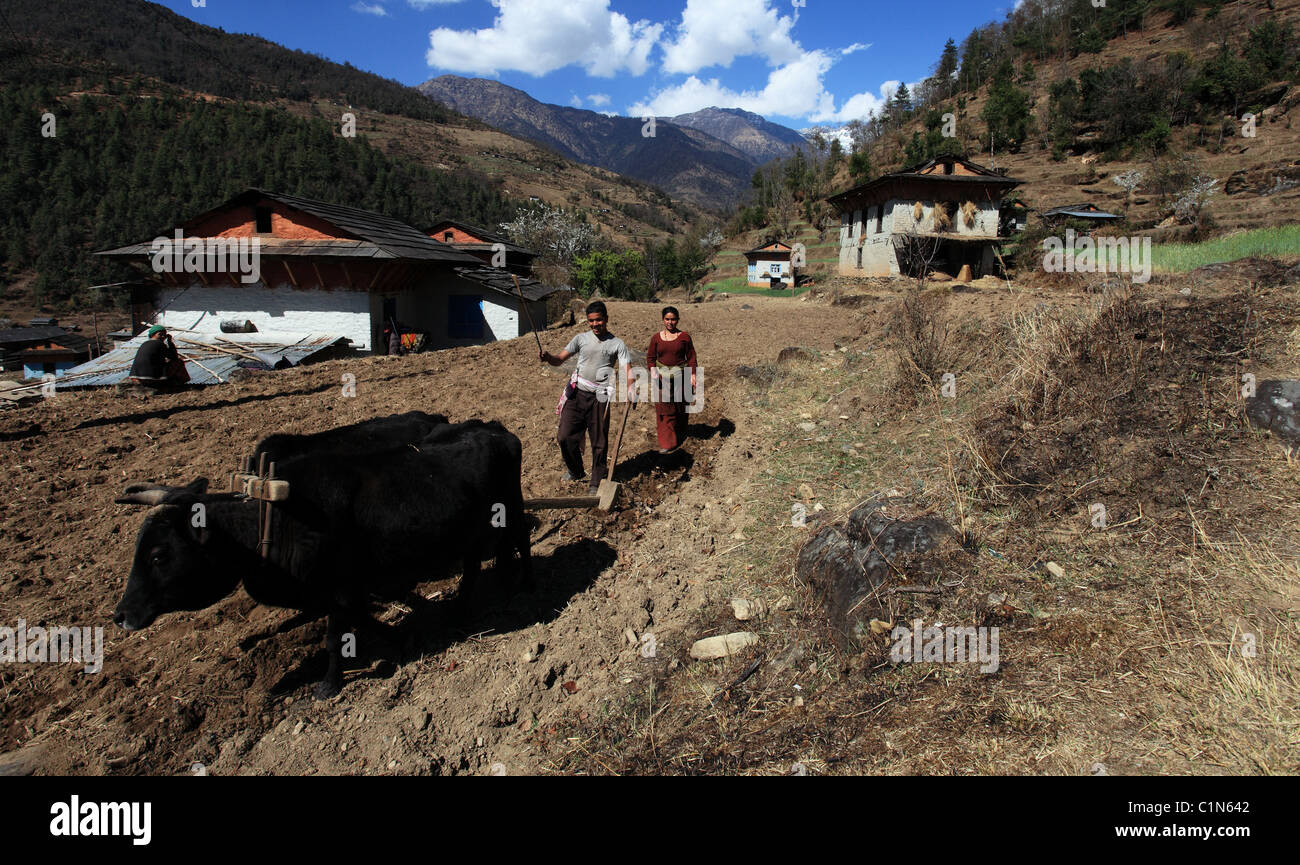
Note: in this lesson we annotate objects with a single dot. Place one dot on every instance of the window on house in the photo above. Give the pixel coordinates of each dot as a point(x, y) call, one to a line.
point(880, 218)
point(262, 220)
point(447, 236)
point(859, 258)
point(775, 267)
point(465, 316)
point(947, 168)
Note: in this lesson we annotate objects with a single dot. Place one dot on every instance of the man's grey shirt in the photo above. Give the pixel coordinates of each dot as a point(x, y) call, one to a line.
point(597, 358)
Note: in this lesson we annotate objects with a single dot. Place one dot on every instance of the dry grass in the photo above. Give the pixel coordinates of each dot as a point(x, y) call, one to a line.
point(1130, 658)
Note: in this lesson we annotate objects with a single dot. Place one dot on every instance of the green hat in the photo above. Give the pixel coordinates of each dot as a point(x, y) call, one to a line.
point(157, 328)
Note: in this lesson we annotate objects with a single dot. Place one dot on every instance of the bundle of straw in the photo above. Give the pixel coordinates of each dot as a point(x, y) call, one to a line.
point(968, 211)
point(942, 221)
point(917, 212)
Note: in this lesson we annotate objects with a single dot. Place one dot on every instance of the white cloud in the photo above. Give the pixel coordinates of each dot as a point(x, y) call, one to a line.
point(425, 4)
point(540, 36)
point(598, 100)
point(793, 90)
point(369, 8)
point(715, 32)
point(576, 101)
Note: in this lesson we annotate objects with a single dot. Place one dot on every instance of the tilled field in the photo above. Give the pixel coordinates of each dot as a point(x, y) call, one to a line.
point(230, 686)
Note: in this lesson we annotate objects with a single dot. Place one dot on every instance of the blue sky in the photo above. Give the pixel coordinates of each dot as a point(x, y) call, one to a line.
point(818, 62)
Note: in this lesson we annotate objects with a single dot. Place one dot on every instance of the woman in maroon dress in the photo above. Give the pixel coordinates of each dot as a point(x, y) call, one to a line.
point(671, 357)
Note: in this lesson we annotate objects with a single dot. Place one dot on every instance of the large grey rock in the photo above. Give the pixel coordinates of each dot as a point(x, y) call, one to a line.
point(1276, 407)
point(848, 564)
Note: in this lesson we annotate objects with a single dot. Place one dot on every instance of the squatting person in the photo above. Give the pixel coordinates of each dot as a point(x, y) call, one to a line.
point(157, 363)
point(587, 400)
point(670, 355)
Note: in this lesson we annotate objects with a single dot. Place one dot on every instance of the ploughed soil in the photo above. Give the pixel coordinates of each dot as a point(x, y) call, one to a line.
point(451, 691)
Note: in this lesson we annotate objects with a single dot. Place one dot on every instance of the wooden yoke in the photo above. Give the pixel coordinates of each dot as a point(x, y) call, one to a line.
point(263, 487)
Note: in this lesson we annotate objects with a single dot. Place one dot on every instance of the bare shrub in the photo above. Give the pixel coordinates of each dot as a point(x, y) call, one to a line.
point(920, 328)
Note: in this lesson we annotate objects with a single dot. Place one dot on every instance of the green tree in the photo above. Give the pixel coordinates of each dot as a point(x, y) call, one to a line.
point(613, 274)
point(1007, 110)
point(860, 166)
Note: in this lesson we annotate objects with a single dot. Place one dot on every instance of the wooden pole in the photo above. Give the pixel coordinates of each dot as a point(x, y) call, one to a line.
point(524, 304)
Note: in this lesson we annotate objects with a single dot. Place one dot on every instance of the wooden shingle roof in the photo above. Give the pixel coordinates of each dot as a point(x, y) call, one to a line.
point(379, 236)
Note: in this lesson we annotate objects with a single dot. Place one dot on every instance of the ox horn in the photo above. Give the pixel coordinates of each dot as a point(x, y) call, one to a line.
point(143, 494)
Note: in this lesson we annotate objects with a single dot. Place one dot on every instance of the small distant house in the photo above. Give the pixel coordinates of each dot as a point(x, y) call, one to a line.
point(1087, 212)
point(950, 199)
point(323, 269)
point(770, 266)
point(1014, 218)
point(492, 249)
point(55, 355)
point(41, 349)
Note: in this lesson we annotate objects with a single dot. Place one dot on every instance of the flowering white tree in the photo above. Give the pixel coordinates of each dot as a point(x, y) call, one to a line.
point(555, 233)
point(1129, 181)
point(1189, 206)
point(710, 241)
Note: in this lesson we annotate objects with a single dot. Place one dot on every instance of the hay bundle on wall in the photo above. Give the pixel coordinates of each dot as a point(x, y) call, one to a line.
point(942, 221)
point(968, 212)
point(917, 212)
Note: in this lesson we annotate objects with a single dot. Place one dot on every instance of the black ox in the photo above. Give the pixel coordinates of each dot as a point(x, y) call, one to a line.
point(357, 526)
point(375, 434)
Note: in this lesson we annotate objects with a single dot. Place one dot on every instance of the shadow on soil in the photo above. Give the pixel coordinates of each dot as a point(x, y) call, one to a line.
point(435, 626)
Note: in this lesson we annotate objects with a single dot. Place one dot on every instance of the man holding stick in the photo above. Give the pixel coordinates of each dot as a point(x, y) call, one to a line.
point(584, 409)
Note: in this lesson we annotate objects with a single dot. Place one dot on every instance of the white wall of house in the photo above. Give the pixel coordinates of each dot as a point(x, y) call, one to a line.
point(502, 316)
point(202, 308)
point(864, 251)
point(759, 269)
point(357, 315)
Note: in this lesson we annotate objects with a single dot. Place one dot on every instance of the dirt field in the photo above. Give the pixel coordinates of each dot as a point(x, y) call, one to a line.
point(558, 681)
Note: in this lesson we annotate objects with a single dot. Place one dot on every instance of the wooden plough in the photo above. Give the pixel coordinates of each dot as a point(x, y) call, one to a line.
point(606, 493)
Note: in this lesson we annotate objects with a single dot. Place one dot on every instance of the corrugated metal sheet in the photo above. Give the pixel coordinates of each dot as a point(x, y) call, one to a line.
point(221, 353)
point(1083, 214)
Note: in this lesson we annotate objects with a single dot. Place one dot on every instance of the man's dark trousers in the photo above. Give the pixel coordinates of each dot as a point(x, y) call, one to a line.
point(584, 414)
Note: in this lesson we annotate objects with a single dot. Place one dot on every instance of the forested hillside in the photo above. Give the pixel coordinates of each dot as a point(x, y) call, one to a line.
point(119, 170)
point(155, 42)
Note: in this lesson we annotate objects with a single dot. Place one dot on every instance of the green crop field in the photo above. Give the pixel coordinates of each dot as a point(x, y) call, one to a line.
point(1281, 241)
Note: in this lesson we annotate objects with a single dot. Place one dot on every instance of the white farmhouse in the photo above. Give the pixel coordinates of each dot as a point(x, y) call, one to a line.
point(949, 199)
point(327, 269)
point(770, 266)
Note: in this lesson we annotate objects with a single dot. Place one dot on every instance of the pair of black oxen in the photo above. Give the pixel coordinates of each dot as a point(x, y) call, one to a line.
point(373, 508)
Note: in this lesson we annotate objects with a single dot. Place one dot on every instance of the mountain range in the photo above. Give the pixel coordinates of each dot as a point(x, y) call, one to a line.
point(707, 157)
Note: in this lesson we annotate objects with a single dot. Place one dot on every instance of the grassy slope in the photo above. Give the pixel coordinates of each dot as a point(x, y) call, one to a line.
point(1131, 658)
